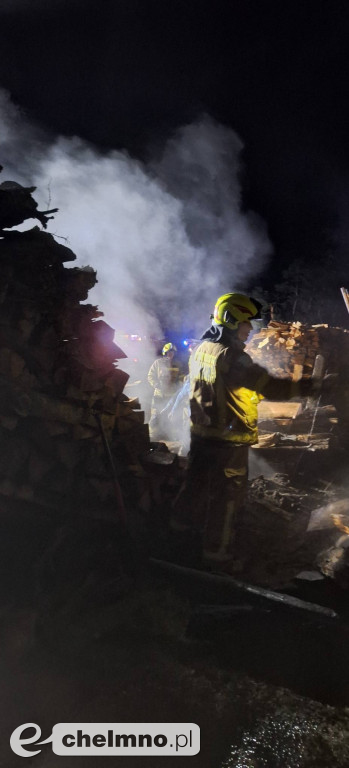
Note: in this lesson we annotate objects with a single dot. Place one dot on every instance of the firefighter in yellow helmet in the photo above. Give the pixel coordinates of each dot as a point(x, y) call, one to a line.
point(225, 388)
point(163, 378)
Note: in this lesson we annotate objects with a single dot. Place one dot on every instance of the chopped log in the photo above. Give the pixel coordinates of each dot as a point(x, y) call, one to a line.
point(78, 281)
point(282, 345)
point(33, 250)
point(334, 563)
point(58, 370)
point(330, 516)
point(17, 205)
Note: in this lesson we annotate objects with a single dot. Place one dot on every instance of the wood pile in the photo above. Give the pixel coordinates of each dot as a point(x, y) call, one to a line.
point(62, 397)
point(334, 562)
point(288, 350)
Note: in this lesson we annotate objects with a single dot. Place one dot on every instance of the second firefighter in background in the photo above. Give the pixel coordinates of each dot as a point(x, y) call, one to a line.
point(163, 377)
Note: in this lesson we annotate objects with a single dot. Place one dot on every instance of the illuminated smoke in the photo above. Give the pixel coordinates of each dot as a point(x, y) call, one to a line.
point(257, 465)
point(166, 238)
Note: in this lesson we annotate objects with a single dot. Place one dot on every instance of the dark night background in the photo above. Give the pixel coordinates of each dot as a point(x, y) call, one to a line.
point(125, 73)
point(89, 631)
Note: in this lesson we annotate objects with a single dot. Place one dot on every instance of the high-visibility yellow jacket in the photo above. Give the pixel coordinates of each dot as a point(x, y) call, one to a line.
point(163, 376)
point(225, 389)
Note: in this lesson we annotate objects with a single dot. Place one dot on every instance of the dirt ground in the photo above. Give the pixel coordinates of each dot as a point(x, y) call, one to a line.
point(132, 659)
point(268, 688)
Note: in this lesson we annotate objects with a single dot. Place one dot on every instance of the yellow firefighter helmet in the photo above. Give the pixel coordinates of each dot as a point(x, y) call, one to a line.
point(168, 348)
point(234, 308)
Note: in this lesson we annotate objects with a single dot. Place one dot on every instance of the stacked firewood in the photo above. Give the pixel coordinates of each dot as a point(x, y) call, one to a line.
point(288, 350)
point(62, 405)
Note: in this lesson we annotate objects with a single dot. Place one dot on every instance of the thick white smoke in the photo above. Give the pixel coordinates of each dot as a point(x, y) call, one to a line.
point(166, 238)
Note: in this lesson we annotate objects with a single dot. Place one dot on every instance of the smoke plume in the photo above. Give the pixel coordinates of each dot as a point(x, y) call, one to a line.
point(166, 237)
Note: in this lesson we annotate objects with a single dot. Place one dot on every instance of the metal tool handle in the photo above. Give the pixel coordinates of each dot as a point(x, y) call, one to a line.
point(345, 294)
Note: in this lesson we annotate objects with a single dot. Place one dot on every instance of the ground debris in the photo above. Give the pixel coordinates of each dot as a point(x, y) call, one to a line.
point(293, 739)
point(273, 541)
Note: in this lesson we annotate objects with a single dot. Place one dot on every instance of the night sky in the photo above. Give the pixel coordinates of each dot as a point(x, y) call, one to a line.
point(124, 74)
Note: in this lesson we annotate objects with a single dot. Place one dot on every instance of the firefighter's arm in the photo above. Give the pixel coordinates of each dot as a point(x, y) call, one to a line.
point(253, 376)
point(285, 389)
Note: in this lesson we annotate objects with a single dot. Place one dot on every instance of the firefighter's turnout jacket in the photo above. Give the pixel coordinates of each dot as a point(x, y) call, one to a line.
point(225, 388)
point(163, 377)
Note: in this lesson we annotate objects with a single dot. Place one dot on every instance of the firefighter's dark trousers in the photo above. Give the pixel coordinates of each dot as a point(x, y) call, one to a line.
point(213, 496)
